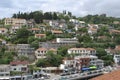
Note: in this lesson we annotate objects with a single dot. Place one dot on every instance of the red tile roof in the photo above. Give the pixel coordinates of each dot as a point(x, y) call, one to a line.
point(115, 31)
point(41, 49)
point(92, 29)
point(57, 31)
point(37, 35)
point(18, 62)
point(115, 75)
point(34, 29)
point(102, 37)
point(3, 29)
point(117, 47)
point(52, 49)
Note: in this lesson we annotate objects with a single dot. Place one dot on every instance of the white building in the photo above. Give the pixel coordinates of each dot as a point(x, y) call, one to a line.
point(117, 59)
point(54, 23)
point(66, 40)
point(63, 26)
point(68, 63)
point(14, 28)
point(41, 52)
point(4, 72)
point(21, 66)
point(82, 51)
point(96, 62)
point(92, 31)
point(75, 21)
point(82, 23)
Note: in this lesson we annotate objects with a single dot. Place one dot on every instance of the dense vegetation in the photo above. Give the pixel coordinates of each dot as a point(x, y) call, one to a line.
point(99, 19)
point(6, 57)
point(50, 60)
point(23, 36)
point(38, 16)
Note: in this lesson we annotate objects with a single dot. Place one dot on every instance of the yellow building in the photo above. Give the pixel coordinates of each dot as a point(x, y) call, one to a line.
point(15, 21)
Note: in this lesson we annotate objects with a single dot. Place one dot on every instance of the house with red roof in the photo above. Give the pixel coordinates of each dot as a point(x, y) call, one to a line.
point(20, 66)
point(35, 30)
point(57, 32)
point(41, 52)
point(40, 36)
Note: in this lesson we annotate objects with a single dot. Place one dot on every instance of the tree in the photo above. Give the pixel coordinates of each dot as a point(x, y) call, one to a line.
point(35, 44)
point(85, 39)
point(31, 39)
point(100, 52)
point(54, 59)
point(55, 17)
point(21, 36)
point(108, 59)
point(42, 63)
point(38, 17)
point(69, 13)
point(23, 58)
point(70, 25)
point(62, 51)
point(48, 15)
point(23, 33)
point(83, 30)
point(6, 57)
point(117, 40)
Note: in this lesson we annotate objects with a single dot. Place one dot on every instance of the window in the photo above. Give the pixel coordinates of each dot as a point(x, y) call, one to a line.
point(7, 74)
point(14, 68)
point(2, 30)
point(1, 74)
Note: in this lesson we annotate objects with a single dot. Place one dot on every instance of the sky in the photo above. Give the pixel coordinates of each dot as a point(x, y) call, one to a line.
point(77, 7)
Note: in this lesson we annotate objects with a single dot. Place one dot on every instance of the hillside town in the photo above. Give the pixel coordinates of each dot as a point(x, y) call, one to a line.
point(58, 46)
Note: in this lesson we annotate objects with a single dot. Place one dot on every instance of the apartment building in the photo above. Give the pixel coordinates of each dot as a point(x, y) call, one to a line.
point(66, 40)
point(86, 61)
point(54, 44)
point(41, 52)
point(4, 72)
point(24, 49)
point(82, 51)
point(15, 21)
point(21, 66)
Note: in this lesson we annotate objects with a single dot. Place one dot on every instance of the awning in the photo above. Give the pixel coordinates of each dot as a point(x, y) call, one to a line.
point(93, 67)
point(1, 78)
point(85, 69)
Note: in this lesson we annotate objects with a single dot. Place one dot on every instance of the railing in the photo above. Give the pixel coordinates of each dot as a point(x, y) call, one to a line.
point(81, 75)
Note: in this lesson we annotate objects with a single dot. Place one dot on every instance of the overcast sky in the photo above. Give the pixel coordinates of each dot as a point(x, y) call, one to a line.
point(77, 7)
